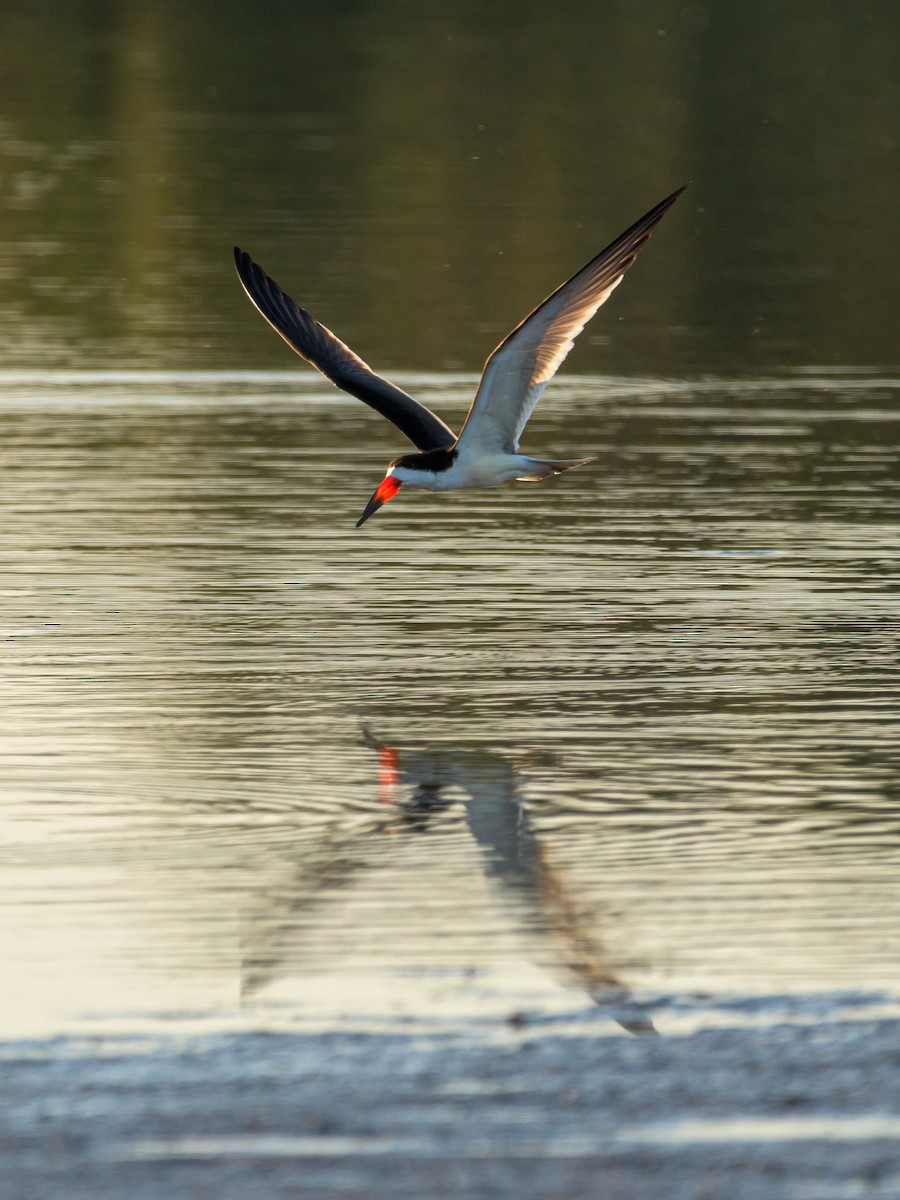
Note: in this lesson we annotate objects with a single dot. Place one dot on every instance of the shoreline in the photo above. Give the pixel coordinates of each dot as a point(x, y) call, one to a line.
point(768, 1098)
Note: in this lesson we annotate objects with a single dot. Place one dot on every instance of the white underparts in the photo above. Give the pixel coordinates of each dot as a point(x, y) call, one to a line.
point(486, 470)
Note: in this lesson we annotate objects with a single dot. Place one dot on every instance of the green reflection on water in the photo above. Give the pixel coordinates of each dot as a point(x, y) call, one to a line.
point(421, 176)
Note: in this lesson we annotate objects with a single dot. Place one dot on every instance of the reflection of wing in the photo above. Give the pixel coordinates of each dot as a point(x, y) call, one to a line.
point(281, 911)
point(500, 828)
point(522, 867)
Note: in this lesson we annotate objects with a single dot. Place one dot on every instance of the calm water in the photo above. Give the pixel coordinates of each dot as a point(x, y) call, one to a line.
point(635, 727)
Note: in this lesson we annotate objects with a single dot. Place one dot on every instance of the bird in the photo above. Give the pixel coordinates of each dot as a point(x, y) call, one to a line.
point(486, 452)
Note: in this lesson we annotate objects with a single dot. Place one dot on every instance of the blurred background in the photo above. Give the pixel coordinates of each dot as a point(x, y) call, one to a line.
point(420, 175)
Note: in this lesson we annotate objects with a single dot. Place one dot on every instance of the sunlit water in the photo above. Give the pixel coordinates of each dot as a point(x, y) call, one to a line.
point(631, 728)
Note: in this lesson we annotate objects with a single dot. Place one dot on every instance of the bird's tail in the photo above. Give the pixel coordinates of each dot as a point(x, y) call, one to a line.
point(540, 468)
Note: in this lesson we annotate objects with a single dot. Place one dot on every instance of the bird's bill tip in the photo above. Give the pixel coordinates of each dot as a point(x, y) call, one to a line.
point(386, 490)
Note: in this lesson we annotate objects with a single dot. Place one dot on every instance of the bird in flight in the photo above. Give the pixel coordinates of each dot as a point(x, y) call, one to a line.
point(514, 376)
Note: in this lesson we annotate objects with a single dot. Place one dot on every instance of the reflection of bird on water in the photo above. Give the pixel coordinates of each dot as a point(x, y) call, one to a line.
point(514, 859)
point(417, 789)
point(487, 450)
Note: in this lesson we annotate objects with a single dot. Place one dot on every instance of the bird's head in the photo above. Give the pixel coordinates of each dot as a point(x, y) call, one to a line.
point(427, 469)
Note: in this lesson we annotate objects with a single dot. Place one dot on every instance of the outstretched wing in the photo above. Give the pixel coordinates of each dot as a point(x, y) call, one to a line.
point(526, 360)
point(336, 361)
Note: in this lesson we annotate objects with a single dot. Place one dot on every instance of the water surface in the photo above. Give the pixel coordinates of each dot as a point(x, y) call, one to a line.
point(633, 728)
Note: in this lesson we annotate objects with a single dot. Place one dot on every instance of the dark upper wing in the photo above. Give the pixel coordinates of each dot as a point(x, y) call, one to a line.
point(336, 361)
point(523, 364)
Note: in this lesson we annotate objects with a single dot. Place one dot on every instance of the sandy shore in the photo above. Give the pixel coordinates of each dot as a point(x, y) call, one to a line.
point(770, 1099)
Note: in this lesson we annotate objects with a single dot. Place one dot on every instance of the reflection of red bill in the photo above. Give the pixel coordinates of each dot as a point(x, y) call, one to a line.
point(388, 774)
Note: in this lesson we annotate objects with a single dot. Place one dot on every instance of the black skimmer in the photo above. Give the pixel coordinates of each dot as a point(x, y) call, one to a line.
point(514, 376)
